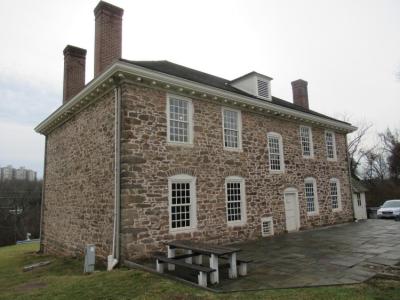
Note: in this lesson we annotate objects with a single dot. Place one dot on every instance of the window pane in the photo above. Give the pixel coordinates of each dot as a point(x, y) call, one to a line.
point(180, 205)
point(310, 196)
point(179, 120)
point(305, 140)
point(233, 201)
point(334, 195)
point(330, 148)
point(274, 153)
point(231, 129)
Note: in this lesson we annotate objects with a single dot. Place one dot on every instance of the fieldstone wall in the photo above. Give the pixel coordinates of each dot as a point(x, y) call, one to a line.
point(147, 161)
point(79, 183)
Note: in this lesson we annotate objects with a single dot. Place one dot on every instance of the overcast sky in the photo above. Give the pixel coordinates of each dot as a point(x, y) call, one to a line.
point(348, 51)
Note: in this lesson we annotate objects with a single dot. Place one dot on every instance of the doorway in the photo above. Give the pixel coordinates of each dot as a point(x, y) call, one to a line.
point(292, 211)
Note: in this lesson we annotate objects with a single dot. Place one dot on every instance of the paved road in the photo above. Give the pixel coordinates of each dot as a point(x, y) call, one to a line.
point(339, 254)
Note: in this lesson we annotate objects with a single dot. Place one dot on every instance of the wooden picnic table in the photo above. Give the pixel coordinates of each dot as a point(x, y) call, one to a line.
point(197, 249)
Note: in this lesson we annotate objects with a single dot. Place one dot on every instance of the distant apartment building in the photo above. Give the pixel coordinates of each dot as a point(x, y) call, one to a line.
point(9, 173)
point(20, 173)
point(30, 175)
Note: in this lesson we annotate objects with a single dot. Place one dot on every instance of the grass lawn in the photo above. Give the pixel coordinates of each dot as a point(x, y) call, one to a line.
point(63, 279)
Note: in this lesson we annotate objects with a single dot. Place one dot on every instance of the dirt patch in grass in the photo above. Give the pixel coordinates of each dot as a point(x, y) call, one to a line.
point(29, 286)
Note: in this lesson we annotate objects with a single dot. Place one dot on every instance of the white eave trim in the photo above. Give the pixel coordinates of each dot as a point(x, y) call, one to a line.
point(131, 69)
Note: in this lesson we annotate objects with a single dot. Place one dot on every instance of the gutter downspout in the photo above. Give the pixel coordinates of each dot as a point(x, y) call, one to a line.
point(113, 259)
point(41, 249)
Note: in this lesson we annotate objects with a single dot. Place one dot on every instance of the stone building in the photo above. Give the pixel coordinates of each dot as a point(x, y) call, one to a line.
point(151, 151)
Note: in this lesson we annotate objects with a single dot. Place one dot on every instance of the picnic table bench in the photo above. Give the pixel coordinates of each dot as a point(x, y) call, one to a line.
point(194, 252)
point(203, 271)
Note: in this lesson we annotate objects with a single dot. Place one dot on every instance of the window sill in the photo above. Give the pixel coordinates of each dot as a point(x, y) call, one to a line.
point(233, 149)
point(332, 159)
point(177, 144)
point(337, 209)
point(236, 223)
point(183, 230)
point(308, 157)
point(276, 171)
point(313, 214)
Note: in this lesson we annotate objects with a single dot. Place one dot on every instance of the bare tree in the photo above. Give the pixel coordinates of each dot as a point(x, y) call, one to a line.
point(391, 146)
point(375, 165)
point(356, 148)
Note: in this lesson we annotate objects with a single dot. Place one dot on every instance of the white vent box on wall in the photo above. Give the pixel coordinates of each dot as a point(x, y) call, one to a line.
point(267, 226)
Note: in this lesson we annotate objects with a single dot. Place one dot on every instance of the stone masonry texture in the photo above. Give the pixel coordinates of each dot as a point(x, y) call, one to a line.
point(79, 183)
point(147, 160)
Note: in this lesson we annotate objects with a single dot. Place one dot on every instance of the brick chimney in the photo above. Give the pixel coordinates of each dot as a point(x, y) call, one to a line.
point(108, 35)
point(300, 94)
point(74, 71)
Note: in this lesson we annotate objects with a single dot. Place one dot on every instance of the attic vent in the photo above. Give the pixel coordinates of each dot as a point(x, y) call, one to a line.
point(263, 88)
point(267, 226)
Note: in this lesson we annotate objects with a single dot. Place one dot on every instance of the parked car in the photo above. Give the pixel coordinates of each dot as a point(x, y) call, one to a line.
point(389, 209)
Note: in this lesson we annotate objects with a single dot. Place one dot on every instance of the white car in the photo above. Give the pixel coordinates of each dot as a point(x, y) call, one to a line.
point(389, 209)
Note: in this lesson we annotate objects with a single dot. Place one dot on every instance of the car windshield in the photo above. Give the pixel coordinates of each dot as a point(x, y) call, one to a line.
point(395, 203)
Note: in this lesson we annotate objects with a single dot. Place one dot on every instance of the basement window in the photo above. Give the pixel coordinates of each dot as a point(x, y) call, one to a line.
point(267, 226)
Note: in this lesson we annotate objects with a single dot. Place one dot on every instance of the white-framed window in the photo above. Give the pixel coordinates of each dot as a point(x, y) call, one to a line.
point(232, 126)
point(182, 203)
point(180, 119)
point(267, 226)
point(306, 141)
point(311, 195)
point(330, 143)
point(275, 152)
point(335, 195)
point(235, 200)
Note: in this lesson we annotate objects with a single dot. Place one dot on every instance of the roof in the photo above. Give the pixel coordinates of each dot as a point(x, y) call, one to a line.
point(357, 186)
point(176, 70)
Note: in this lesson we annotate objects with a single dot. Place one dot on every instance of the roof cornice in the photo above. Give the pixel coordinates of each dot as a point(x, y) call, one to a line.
point(143, 75)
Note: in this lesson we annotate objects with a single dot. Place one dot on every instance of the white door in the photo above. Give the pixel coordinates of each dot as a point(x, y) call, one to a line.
point(291, 211)
point(360, 210)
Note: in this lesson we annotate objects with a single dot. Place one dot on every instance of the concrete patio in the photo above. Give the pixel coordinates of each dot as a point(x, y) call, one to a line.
point(340, 254)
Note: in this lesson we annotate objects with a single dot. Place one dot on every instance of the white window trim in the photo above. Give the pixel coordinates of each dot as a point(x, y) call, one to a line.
point(333, 146)
point(311, 156)
point(316, 204)
point(190, 120)
point(239, 148)
point(243, 206)
point(339, 194)
point(193, 202)
point(282, 160)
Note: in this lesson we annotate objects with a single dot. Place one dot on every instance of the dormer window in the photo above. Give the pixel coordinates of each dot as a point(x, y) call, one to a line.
point(263, 88)
point(254, 84)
